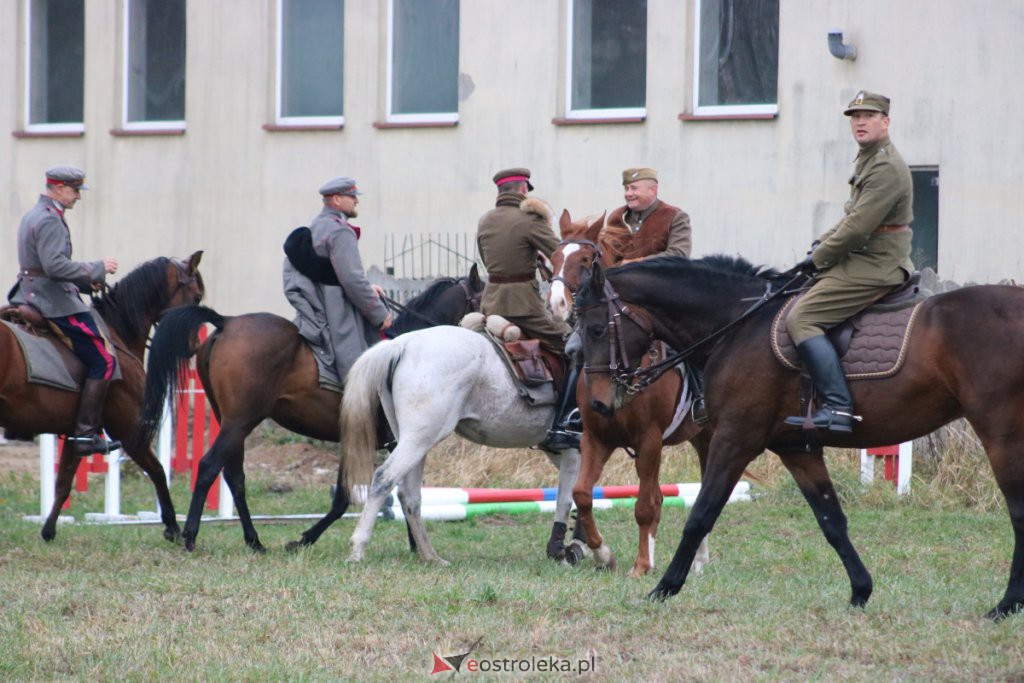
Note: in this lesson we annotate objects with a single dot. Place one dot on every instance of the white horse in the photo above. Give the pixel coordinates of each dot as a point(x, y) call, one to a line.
point(430, 383)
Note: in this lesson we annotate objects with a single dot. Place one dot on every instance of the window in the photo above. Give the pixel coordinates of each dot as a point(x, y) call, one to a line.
point(607, 60)
point(55, 58)
point(925, 247)
point(154, 88)
point(310, 61)
point(423, 61)
point(736, 65)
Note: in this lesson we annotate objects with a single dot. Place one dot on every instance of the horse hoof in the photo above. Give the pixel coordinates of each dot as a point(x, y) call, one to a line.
point(257, 548)
point(294, 546)
point(48, 534)
point(662, 592)
point(1003, 610)
point(172, 535)
point(189, 545)
point(574, 554)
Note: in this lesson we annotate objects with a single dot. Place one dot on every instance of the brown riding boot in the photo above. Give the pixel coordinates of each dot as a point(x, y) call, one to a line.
point(88, 436)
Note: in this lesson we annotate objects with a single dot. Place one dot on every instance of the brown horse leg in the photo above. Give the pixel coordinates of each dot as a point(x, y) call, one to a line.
point(725, 466)
point(648, 502)
point(234, 476)
point(69, 463)
point(594, 456)
point(811, 475)
point(1004, 454)
point(339, 505)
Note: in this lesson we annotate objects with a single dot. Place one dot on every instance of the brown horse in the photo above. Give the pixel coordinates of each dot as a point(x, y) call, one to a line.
point(639, 422)
point(129, 308)
point(962, 360)
point(256, 366)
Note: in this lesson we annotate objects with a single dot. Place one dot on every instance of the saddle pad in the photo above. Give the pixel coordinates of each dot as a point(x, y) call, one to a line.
point(327, 376)
point(877, 349)
point(47, 360)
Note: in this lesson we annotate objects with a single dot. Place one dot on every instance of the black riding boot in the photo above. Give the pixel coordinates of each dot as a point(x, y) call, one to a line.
point(566, 425)
point(820, 359)
point(88, 438)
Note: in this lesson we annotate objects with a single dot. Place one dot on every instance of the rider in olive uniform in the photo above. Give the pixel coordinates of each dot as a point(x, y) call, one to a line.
point(858, 261)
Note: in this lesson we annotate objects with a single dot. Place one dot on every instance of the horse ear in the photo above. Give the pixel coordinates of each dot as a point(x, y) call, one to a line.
point(565, 224)
point(193, 261)
point(474, 277)
point(594, 229)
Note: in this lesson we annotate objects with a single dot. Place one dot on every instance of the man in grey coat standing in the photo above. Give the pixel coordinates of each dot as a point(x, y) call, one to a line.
point(50, 281)
point(340, 321)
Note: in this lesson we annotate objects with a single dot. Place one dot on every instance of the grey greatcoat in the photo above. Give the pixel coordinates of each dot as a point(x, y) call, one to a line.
point(47, 277)
point(340, 322)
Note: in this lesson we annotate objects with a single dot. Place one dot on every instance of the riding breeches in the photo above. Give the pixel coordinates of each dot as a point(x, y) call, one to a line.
point(80, 334)
point(829, 302)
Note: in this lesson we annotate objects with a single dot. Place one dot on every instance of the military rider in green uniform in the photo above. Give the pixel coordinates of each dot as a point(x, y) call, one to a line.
point(509, 237)
point(858, 261)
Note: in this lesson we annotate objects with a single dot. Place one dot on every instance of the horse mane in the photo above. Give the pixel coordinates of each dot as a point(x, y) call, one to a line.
point(421, 303)
point(717, 263)
point(127, 306)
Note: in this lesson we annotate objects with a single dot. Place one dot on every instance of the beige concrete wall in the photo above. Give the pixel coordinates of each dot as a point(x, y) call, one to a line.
point(763, 189)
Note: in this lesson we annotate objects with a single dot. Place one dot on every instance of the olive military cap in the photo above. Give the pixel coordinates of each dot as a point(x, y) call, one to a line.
point(868, 101)
point(340, 185)
point(66, 175)
point(512, 175)
point(631, 175)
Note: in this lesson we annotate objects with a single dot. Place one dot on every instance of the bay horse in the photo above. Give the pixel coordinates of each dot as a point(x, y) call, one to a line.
point(430, 383)
point(962, 360)
point(256, 366)
point(639, 423)
point(129, 307)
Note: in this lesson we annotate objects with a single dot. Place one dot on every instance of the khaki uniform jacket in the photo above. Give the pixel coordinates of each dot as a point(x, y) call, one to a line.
point(881, 193)
point(47, 277)
point(508, 238)
point(340, 322)
point(659, 230)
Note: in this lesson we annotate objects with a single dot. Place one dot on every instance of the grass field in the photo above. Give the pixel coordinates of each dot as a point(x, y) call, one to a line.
point(106, 603)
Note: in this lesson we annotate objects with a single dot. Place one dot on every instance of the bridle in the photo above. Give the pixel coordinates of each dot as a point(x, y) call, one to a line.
point(635, 380)
point(187, 279)
point(583, 242)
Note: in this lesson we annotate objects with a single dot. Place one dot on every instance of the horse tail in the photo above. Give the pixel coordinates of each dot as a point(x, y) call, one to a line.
point(368, 379)
point(174, 343)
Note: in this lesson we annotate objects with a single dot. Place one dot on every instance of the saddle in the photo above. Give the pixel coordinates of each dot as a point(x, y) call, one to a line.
point(536, 371)
point(47, 360)
point(871, 344)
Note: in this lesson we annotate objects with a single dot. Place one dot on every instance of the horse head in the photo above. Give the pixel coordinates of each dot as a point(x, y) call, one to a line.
point(616, 340)
point(184, 281)
point(577, 250)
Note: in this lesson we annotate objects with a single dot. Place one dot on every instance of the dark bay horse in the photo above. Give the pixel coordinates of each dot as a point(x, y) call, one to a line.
point(256, 366)
point(962, 360)
point(638, 424)
point(129, 308)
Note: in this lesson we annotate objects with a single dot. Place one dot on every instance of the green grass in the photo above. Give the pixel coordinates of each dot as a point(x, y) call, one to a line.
point(105, 603)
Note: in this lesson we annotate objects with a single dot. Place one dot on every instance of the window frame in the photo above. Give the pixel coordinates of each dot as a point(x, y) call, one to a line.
point(617, 113)
point(45, 128)
point(721, 110)
point(126, 125)
point(300, 121)
point(434, 118)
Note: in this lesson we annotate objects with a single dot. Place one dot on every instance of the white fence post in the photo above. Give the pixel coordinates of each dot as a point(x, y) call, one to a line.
point(47, 479)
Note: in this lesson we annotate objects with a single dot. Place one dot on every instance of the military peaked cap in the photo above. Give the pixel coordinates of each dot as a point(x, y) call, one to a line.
point(340, 185)
point(66, 175)
point(512, 175)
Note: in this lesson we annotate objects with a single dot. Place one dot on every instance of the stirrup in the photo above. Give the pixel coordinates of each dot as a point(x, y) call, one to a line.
point(573, 422)
point(85, 445)
point(558, 440)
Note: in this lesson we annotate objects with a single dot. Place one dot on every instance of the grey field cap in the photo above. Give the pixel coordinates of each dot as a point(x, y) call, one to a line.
point(340, 185)
point(66, 175)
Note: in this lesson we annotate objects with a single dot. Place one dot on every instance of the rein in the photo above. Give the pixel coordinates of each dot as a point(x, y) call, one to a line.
point(635, 381)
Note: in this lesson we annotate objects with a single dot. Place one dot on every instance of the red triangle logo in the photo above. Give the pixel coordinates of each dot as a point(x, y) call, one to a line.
point(441, 665)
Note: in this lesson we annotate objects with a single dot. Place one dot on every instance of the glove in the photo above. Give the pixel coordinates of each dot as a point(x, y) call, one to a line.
point(807, 266)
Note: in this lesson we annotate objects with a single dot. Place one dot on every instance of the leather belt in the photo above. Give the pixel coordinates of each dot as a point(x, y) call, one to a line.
point(34, 272)
point(509, 279)
point(890, 228)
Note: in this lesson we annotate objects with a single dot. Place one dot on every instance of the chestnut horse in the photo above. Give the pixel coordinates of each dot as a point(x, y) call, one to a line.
point(256, 366)
point(962, 360)
point(639, 423)
point(129, 308)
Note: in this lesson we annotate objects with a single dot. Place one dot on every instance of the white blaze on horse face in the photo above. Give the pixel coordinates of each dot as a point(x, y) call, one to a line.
point(558, 297)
